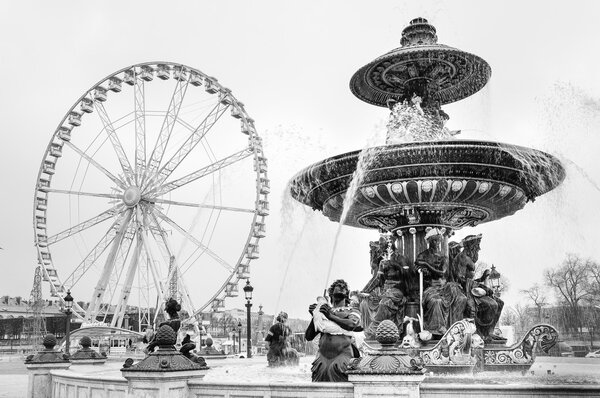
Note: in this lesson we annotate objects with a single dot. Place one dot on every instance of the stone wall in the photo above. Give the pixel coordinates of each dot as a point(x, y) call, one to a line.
point(69, 384)
point(297, 390)
point(75, 385)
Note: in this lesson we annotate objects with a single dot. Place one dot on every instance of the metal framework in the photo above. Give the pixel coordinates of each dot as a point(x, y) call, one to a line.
point(135, 255)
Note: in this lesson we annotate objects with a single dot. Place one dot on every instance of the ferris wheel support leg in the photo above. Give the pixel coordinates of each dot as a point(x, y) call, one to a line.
point(126, 290)
point(100, 289)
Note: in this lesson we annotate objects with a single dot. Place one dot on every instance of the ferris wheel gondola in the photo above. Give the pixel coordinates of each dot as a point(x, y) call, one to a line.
point(145, 191)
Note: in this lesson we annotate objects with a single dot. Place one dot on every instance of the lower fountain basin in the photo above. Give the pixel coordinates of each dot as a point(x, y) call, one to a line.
point(452, 183)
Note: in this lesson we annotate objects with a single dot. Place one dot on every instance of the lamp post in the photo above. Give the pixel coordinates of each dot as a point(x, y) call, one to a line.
point(248, 293)
point(68, 306)
point(494, 280)
point(234, 337)
point(240, 336)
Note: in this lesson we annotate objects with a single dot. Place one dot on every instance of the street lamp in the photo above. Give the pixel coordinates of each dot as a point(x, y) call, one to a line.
point(248, 293)
point(234, 330)
point(494, 280)
point(240, 336)
point(68, 306)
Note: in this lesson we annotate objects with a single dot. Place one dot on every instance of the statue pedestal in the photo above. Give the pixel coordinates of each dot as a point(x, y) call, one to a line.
point(164, 373)
point(386, 370)
point(160, 384)
point(39, 384)
point(386, 385)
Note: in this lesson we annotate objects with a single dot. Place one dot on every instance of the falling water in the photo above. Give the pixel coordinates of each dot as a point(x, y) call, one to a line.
point(365, 159)
point(288, 207)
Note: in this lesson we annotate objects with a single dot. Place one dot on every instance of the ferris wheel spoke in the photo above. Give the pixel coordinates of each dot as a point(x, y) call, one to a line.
point(197, 135)
point(94, 254)
point(114, 139)
point(202, 206)
point(166, 130)
point(80, 193)
point(96, 164)
point(100, 289)
point(140, 128)
point(192, 239)
point(105, 215)
point(218, 165)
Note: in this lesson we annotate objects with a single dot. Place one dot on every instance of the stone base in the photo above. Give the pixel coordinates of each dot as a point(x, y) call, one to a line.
point(160, 384)
point(40, 380)
point(386, 385)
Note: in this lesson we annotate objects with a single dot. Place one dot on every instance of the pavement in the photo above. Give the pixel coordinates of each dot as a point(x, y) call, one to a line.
point(13, 377)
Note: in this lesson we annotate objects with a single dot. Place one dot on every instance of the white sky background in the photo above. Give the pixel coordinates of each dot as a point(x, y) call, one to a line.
point(290, 63)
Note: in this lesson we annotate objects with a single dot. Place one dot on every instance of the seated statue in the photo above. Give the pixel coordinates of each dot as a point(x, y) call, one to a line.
point(443, 302)
point(280, 352)
point(483, 306)
point(392, 300)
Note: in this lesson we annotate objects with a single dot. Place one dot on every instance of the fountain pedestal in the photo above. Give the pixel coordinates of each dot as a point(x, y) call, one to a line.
point(386, 370)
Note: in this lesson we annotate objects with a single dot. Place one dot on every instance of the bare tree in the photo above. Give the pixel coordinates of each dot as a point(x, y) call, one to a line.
point(537, 296)
point(571, 282)
point(522, 318)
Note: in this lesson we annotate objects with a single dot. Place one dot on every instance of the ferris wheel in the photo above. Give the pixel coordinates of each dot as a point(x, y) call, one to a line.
point(154, 185)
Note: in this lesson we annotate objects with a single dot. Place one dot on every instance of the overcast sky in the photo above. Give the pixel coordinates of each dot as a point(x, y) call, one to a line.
point(290, 63)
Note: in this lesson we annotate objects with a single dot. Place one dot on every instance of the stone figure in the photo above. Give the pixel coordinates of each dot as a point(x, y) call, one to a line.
point(482, 303)
point(392, 300)
point(443, 302)
point(335, 350)
point(172, 308)
point(280, 352)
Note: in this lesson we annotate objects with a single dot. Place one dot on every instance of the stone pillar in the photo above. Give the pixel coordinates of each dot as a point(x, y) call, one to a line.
point(164, 372)
point(39, 366)
point(386, 370)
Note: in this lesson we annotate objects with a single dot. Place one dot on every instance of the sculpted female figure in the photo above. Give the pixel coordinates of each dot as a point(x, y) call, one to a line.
point(484, 306)
point(172, 308)
point(280, 352)
point(443, 302)
point(335, 348)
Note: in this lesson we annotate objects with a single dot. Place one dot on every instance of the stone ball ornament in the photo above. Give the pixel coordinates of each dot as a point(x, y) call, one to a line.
point(49, 341)
point(85, 342)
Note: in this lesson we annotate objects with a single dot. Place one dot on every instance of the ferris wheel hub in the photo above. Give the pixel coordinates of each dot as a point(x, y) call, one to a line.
point(132, 196)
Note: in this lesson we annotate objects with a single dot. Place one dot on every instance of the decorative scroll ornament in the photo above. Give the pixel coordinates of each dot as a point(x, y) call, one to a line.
point(455, 347)
point(523, 352)
point(463, 217)
point(381, 222)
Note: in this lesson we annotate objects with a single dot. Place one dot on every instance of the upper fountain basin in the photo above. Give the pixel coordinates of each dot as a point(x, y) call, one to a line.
point(437, 73)
point(451, 183)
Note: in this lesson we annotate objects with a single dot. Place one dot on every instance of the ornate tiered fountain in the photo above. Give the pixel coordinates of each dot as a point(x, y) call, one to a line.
point(425, 179)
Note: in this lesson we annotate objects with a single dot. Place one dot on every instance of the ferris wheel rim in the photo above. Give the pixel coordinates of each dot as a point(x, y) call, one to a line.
point(256, 149)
